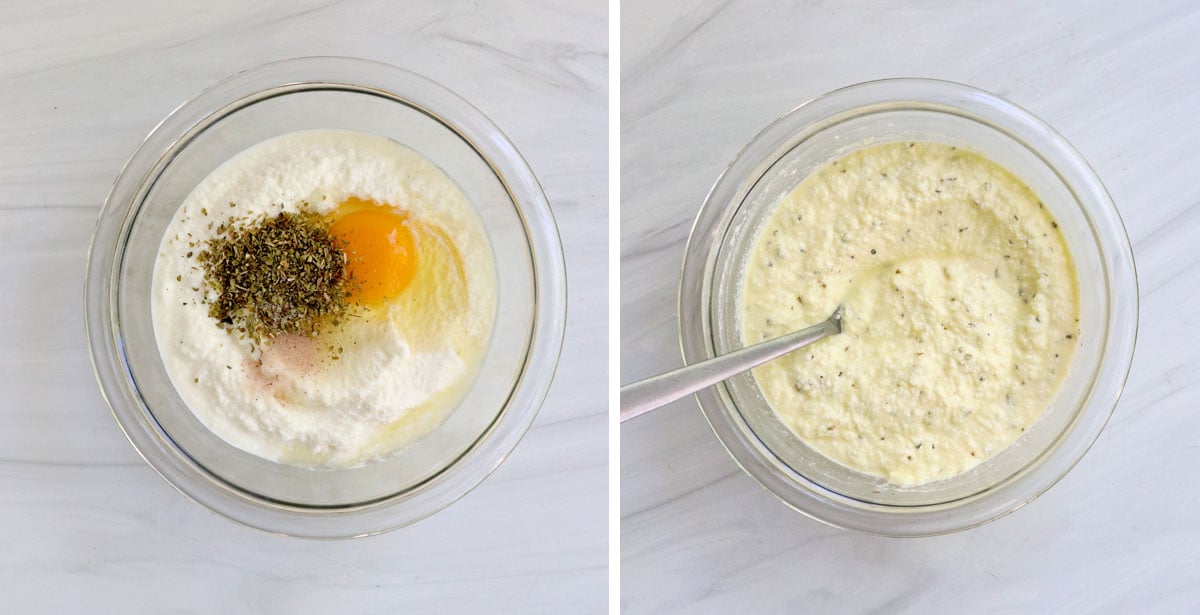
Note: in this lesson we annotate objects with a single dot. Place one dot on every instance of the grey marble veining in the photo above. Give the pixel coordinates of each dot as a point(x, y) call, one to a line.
point(1119, 80)
point(87, 526)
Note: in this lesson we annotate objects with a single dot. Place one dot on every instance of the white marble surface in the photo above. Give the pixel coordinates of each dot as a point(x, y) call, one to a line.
point(85, 525)
point(1121, 81)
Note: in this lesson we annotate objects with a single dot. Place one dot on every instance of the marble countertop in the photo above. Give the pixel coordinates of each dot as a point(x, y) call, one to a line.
point(87, 525)
point(1119, 80)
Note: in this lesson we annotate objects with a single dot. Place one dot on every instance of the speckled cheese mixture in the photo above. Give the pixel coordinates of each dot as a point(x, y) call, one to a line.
point(288, 400)
point(961, 310)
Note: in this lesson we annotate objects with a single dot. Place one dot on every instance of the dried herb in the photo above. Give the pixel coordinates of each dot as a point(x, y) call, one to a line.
point(272, 275)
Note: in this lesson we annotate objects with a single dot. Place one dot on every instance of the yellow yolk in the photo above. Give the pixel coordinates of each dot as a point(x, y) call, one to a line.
point(381, 254)
point(407, 265)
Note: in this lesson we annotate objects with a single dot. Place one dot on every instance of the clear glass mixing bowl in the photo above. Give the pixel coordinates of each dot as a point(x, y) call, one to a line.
point(341, 93)
point(823, 130)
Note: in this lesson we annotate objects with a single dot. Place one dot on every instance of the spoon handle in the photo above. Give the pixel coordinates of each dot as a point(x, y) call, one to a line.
point(656, 391)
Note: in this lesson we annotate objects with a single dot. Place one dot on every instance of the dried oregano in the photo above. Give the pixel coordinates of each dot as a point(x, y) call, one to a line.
point(275, 274)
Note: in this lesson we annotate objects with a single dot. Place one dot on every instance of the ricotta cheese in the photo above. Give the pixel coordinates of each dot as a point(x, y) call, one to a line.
point(373, 383)
point(961, 310)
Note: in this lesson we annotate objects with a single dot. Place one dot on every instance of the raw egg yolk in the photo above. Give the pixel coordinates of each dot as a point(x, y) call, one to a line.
point(381, 256)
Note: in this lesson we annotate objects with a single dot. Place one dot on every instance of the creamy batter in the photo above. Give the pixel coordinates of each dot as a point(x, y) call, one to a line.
point(961, 310)
point(369, 384)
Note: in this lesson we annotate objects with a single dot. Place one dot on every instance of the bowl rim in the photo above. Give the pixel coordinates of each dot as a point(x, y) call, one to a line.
point(814, 500)
point(530, 387)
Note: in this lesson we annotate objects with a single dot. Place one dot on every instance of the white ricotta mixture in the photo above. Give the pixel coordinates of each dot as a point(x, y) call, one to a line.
point(404, 367)
point(961, 310)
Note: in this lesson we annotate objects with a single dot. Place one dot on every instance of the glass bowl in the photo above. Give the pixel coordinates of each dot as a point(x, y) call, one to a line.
point(339, 93)
point(825, 129)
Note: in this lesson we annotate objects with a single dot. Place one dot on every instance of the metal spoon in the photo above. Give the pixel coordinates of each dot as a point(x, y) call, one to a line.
point(641, 397)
